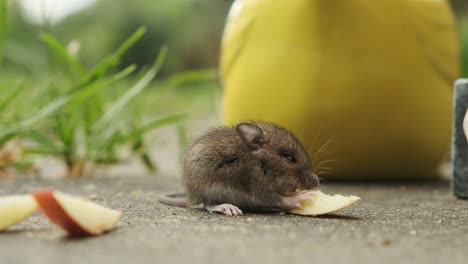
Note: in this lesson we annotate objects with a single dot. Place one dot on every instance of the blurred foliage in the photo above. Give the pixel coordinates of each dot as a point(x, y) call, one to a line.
point(191, 28)
point(79, 104)
point(89, 127)
point(86, 131)
point(3, 13)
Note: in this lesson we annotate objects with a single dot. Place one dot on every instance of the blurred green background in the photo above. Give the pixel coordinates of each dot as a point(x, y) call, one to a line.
point(33, 74)
point(191, 28)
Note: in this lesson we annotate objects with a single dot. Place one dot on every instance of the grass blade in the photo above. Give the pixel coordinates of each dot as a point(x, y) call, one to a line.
point(133, 91)
point(9, 98)
point(78, 96)
point(70, 124)
point(3, 20)
point(84, 92)
point(140, 149)
point(61, 51)
point(42, 113)
point(5, 138)
point(39, 151)
point(191, 76)
point(138, 132)
point(44, 142)
point(114, 59)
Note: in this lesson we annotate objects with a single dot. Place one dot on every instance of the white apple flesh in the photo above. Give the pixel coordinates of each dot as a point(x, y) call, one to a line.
point(320, 204)
point(15, 208)
point(77, 216)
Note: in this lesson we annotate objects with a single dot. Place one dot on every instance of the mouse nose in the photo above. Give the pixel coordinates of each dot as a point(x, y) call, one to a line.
point(311, 180)
point(315, 180)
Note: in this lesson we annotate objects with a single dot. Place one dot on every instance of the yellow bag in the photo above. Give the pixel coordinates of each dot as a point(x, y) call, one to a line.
point(371, 77)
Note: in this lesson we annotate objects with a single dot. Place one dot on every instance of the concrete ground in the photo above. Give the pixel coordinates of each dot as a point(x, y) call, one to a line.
point(394, 223)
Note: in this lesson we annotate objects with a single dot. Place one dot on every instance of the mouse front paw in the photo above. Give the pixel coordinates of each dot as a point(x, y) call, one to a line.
point(295, 201)
point(225, 209)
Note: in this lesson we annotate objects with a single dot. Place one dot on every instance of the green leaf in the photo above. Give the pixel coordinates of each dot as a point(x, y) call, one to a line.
point(140, 149)
point(42, 113)
point(133, 91)
point(39, 151)
point(114, 59)
point(9, 84)
point(61, 51)
point(70, 124)
point(76, 97)
point(44, 142)
point(191, 76)
point(9, 98)
point(107, 139)
point(84, 92)
point(22, 165)
point(6, 137)
point(93, 110)
point(138, 132)
point(3, 21)
point(149, 164)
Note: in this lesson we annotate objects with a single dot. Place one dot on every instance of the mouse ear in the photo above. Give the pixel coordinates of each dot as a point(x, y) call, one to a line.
point(251, 135)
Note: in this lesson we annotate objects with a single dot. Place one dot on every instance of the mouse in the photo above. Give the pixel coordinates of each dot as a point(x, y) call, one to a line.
point(251, 166)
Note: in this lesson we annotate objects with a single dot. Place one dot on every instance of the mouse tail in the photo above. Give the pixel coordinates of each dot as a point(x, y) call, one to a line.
point(174, 199)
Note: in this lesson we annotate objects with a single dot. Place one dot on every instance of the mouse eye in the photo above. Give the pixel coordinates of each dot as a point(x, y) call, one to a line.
point(289, 157)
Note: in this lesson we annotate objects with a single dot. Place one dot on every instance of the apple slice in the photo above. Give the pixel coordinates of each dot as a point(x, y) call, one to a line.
point(320, 204)
point(78, 216)
point(15, 208)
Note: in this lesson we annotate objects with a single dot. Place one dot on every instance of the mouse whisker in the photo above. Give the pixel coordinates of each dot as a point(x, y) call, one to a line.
point(314, 141)
point(292, 187)
point(318, 163)
point(322, 148)
point(322, 168)
point(322, 179)
point(325, 162)
point(321, 151)
point(327, 168)
point(326, 173)
point(286, 181)
point(277, 181)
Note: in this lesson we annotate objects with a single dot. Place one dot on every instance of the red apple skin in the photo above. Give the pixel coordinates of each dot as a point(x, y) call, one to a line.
point(56, 214)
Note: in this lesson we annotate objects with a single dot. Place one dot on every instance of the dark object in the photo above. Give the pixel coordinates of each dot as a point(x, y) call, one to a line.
point(252, 166)
point(459, 141)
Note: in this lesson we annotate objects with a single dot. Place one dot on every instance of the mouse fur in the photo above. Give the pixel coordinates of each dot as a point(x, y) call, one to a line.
point(249, 166)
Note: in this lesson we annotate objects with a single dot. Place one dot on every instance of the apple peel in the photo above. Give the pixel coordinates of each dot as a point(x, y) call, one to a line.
point(320, 203)
point(77, 216)
point(15, 208)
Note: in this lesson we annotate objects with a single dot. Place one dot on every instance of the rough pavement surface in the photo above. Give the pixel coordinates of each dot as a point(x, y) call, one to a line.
point(393, 223)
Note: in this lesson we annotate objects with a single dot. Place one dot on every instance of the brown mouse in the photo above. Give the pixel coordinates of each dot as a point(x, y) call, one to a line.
point(251, 166)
